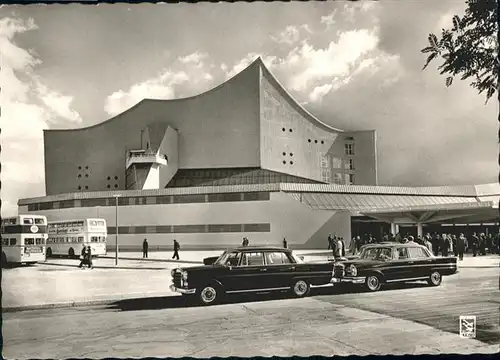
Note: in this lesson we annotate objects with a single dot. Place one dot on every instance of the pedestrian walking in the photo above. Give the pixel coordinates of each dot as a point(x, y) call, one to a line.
point(444, 245)
point(89, 257)
point(83, 257)
point(145, 249)
point(285, 244)
point(177, 247)
point(454, 241)
point(352, 246)
point(428, 243)
point(482, 244)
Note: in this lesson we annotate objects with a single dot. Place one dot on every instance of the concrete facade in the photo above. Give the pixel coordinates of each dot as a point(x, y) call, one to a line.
point(250, 121)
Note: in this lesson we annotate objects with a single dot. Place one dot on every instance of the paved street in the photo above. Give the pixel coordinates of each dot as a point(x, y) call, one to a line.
point(405, 319)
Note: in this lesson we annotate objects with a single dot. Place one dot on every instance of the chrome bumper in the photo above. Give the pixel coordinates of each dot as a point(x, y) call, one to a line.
point(351, 280)
point(182, 291)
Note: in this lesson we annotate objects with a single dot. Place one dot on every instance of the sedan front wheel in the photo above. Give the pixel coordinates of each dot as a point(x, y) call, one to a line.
point(435, 278)
point(373, 283)
point(209, 294)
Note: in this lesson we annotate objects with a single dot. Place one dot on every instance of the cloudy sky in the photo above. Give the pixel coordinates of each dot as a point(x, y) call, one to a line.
point(354, 65)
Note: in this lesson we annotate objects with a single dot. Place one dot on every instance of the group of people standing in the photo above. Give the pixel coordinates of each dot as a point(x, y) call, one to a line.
point(337, 245)
point(438, 244)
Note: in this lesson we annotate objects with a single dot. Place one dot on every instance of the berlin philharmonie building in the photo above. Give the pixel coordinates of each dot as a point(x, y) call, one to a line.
point(241, 160)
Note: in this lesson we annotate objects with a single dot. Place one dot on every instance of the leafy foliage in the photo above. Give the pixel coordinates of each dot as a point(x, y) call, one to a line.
point(470, 48)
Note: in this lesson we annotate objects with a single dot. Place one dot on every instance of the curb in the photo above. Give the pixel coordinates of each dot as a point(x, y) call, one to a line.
point(154, 260)
point(71, 304)
point(105, 267)
point(75, 304)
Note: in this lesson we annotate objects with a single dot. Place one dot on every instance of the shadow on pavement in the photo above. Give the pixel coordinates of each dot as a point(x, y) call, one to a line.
point(105, 267)
point(170, 302)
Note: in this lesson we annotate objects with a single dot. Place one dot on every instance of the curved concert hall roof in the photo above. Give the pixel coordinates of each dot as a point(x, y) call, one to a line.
point(264, 72)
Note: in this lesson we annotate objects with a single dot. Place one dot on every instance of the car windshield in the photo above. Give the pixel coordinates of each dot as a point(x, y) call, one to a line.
point(376, 253)
point(297, 259)
point(228, 258)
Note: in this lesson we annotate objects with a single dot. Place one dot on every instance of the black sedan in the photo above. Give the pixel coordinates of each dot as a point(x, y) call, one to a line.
point(389, 263)
point(250, 270)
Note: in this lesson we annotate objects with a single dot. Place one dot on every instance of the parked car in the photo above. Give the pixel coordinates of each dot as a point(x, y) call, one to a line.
point(250, 269)
point(389, 263)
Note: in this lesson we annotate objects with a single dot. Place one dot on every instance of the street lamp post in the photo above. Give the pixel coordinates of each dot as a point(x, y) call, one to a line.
point(116, 223)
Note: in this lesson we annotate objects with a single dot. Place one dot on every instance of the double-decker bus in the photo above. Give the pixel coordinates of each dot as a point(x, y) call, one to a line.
point(23, 239)
point(70, 236)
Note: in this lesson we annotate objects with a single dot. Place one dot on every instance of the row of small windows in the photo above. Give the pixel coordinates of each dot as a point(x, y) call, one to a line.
point(191, 229)
point(315, 141)
point(152, 200)
point(109, 186)
point(80, 168)
point(284, 154)
point(80, 175)
point(284, 162)
point(27, 241)
point(73, 239)
point(80, 187)
point(109, 178)
point(283, 129)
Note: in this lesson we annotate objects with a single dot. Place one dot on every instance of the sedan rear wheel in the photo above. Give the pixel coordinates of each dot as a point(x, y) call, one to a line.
point(373, 283)
point(300, 288)
point(435, 278)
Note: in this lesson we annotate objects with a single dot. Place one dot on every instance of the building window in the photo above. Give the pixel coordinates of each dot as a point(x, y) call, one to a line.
point(315, 141)
point(291, 130)
point(79, 168)
point(116, 186)
point(351, 179)
point(291, 162)
point(284, 153)
point(86, 187)
point(284, 162)
point(79, 187)
point(322, 142)
point(86, 175)
point(308, 140)
point(336, 163)
point(86, 167)
point(291, 154)
point(79, 175)
point(109, 186)
point(116, 177)
point(349, 148)
point(283, 129)
point(351, 164)
point(109, 177)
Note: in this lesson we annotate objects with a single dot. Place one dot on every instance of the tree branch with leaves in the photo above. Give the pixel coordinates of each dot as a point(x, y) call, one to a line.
point(470, 48)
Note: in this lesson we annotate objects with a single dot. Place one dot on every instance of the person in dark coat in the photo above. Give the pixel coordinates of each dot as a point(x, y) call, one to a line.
point(474, 244)
point(89, 257)
point(177, 247)
point(83, 257)
point(330, 241)
point(285, 244)
point(460, 247)
point(145, 249)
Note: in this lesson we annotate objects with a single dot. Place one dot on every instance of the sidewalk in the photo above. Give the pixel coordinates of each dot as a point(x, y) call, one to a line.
point(196, 257)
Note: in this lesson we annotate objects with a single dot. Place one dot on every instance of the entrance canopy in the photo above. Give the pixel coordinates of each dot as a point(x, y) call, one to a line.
point(457, 212)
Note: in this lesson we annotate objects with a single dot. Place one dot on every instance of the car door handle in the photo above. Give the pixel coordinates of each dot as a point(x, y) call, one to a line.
point(411, 262)
point(263, 269)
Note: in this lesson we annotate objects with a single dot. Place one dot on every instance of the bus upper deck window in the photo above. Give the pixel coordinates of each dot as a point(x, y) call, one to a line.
point(39, 221)
point(28, 221)
point(13, 242)
point(5, 242)
point(39, 241)
point(29, 241)
point(80, 239)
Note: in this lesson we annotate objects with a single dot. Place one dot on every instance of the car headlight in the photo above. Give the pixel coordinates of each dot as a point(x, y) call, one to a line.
point(353, 270)
point(172, 272)
point(184, 275)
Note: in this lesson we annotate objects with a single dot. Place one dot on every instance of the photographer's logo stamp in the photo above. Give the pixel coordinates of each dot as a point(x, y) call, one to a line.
point(468, 326)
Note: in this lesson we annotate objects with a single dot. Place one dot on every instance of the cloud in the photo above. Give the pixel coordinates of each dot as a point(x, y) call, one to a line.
point(320, 91)
point(306, 64)
point(173, 82)
point(28, 107)
point(290, 35)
